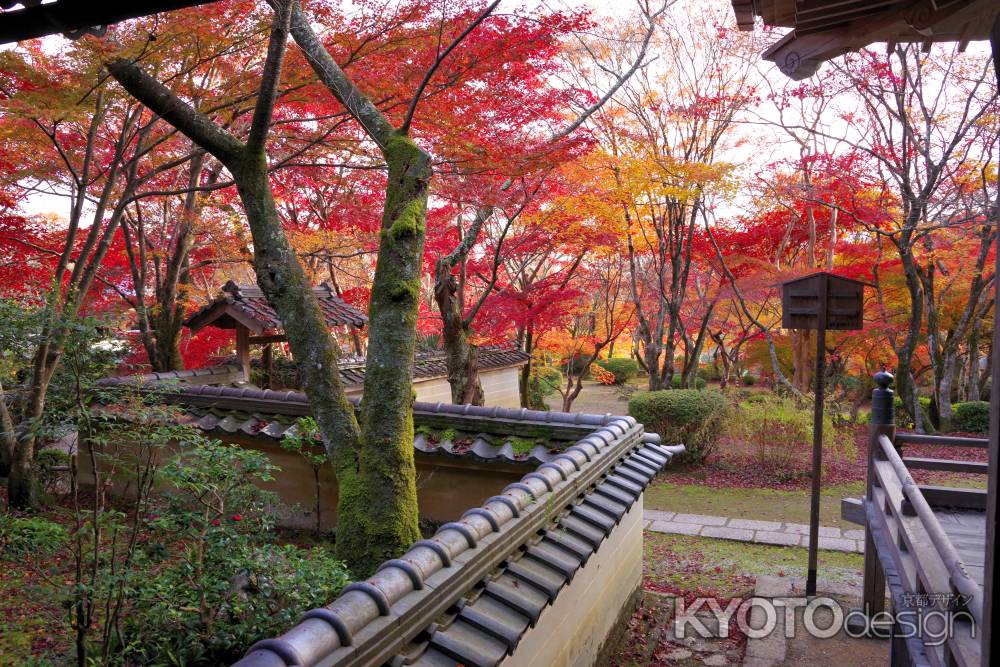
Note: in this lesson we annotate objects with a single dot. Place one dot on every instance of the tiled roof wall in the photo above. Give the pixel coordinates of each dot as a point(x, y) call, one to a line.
point(537, 548)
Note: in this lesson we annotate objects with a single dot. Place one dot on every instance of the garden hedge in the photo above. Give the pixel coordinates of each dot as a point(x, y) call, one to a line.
point(692, 417)
point(622, 368)
point(973, 416)
point(699, 382)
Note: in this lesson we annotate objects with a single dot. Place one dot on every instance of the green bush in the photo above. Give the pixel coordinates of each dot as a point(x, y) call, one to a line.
point(622, 368)
point(246, 592)
point(973, 417)
point(748, 380)
point(688, 416)
point(225, 586)
point(31, 536)
point(543, 381)
point(699, 382)
point(777, 433)
point(49, 466)
point(710, 374)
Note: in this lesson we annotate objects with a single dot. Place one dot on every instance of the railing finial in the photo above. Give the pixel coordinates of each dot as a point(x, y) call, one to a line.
point(883, 399)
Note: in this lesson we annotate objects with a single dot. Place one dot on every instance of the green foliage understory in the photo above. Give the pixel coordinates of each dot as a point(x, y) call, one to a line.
point(154, 544)
point(190, 575)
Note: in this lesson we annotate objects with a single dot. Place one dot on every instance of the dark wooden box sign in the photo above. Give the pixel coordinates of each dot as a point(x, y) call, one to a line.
point(800, 302)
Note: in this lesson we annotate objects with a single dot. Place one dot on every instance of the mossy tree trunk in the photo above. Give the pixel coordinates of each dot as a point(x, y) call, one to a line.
point(373, 458)
point(380, 504)
point(279, 274)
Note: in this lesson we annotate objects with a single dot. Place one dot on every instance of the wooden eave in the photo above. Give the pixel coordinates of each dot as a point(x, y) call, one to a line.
point(825, 29)
point(223, 315)
point(75, 18)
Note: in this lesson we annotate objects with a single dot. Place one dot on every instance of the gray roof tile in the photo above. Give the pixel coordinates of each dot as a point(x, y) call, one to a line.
point(483, 626)
point(247, 305)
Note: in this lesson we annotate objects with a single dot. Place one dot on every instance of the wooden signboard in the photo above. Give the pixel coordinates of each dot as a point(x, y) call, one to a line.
point(820, 301)
point(800, 302)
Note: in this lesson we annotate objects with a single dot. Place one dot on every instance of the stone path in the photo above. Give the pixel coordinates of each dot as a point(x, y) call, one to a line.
point(749, 530)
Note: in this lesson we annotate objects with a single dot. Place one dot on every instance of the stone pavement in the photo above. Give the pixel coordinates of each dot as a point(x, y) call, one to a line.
point(749, 530)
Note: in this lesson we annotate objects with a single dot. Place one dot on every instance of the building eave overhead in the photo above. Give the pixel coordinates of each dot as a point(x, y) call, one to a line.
point(23, 20)
point(825, 29)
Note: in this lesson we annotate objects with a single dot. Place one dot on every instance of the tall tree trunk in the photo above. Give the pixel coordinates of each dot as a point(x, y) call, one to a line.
point(460, 355)
point(972, 371)
point(168, 317)
point(7, 435)
point(802, 360)
point(22, 489)
point(905, 387)
point(380, 502)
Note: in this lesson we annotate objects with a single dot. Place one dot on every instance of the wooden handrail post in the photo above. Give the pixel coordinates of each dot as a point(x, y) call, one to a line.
point(882, 422)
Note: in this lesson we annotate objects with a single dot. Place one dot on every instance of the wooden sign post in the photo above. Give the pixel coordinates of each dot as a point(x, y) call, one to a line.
point(820, 301)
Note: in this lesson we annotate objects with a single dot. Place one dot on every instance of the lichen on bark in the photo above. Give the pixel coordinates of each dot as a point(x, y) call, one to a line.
point(378, 515)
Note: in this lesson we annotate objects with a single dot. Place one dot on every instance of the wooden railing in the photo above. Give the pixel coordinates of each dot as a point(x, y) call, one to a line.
point(906, 544)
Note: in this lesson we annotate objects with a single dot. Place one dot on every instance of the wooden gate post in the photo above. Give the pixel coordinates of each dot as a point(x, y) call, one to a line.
point(882, 422)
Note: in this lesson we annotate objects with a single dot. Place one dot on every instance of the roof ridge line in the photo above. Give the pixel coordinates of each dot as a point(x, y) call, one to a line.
point(499, 526)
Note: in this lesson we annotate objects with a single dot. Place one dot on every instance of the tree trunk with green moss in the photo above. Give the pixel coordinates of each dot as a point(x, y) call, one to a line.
point(373, 458)
point(380, 501)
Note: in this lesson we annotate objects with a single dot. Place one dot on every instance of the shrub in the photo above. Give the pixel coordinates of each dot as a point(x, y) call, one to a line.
point(208, 583)
point(605, 377)
point(748, 380)
point(50, 464)
point(778, 435)
point(621, 368)
point(973, 416)
point(31, 536)
point(710, 374)
point(544, 381)
point(699, 382)
point(246, 592)
point(689, 416)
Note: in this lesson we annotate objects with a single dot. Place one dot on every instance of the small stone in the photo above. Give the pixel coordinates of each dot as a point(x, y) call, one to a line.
point(675, 528)
point(715, 660)
point(680, 654)
point(724, 533)
point(703, 519)
point(754, 525)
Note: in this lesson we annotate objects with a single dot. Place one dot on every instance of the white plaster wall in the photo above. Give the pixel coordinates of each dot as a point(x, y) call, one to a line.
point(500, 387)
point(572, 631)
